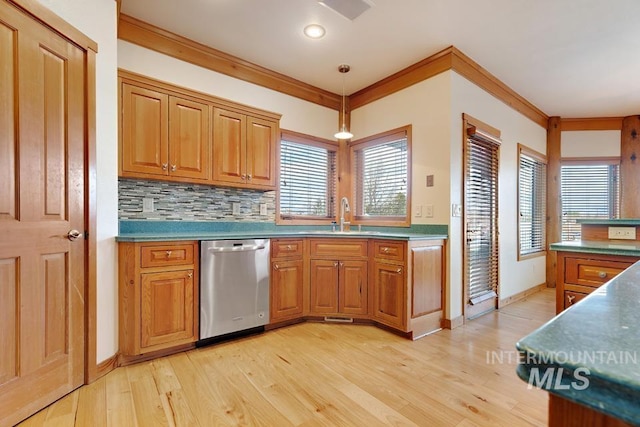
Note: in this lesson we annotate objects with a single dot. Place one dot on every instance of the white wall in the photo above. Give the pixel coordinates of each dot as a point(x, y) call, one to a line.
point(515, 276)
point(593, 143)
point(97, 19)
point(297, 115)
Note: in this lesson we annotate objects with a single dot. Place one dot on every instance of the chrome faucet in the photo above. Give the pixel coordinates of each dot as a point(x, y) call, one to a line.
point(344, 207)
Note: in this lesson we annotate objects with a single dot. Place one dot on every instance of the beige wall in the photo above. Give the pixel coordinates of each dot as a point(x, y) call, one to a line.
point(593, 143)
point(97, 19)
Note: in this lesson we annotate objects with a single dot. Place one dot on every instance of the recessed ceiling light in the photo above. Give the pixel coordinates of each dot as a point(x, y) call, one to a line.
point(314, 31)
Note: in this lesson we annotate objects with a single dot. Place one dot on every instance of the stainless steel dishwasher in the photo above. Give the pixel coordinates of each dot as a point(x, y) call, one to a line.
point(234, 286)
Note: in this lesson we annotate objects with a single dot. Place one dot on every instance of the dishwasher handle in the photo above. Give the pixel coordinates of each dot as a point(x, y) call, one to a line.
point(243, 248)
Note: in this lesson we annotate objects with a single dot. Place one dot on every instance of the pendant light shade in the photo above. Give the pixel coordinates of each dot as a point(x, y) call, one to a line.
point(343, 133)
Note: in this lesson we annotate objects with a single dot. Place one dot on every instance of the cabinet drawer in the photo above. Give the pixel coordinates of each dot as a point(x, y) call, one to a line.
point(338, 249)
point(570, 298)
point(162, 255)
point(286, 248)
point(389, 250)
point(592, 272)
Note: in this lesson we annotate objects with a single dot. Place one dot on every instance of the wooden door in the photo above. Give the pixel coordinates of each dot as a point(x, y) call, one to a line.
point(229, 146)
point(324, 286)
point(166, 309)
point(353, 287)
point(286, 289)
point(189, 139)
point(145, 140)
point(261, 152)
point(42, 187)
point(388, 299)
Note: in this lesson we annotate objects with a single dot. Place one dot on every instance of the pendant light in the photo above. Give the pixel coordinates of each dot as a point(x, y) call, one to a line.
point(343, 133)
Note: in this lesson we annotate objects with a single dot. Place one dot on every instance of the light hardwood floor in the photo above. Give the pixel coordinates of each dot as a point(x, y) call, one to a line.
point(326, 374)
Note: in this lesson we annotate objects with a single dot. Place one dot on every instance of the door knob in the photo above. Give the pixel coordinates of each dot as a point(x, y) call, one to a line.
point(73, 235)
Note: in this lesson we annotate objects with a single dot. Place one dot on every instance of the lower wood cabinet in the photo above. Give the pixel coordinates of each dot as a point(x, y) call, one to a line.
point(158, 290)
point(338, 281)
point(287, 279)
point(389, 301)
point(579, 274)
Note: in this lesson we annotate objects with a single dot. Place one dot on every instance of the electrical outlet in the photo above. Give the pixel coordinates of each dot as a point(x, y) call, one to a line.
point(417, 211)
point(235, 208)
point(147, 204)
point(263, 209)
point(626, 233)
point(428, 211)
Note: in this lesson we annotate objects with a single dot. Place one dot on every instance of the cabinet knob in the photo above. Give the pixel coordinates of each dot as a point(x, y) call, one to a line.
point(243, 177)
point(341, 264)
point(164, 166)
point(275, 266)
point(173, 168)
point(249, 177)
point(399, 271)
point(385, 250)
point(288, 247)
point(571, 298)
point(602, 274)
point(190, 275)
point(168, 254)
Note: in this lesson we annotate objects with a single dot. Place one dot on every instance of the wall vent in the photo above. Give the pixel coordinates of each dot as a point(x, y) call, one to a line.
point(350, 9)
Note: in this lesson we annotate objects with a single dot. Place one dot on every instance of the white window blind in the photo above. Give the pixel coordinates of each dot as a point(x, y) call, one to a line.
point(589, 191)
point(380, 173)
point(532, 203)
point(481, 217)
point(307, 180)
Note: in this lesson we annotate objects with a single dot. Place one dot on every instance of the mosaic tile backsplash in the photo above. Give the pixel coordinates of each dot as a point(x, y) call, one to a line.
point(192, 202)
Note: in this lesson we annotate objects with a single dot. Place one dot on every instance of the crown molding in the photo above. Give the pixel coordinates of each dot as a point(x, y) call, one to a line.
point(154, 38)
point(593, 123)
point(149, 36)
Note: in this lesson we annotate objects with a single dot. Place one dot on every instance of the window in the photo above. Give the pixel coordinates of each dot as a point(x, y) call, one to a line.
point(307, 189)
point(590, 190)
point(532, 202)
point(381, 178)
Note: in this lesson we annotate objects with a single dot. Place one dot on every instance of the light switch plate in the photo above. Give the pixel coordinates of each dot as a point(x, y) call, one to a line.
point(235, 208)
point(428, 211)
point(147, 204)
point(456, 210)
point(417, 211)
point(263, 209)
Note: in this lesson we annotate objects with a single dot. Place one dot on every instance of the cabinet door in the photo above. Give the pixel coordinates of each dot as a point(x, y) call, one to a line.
point(261, 155)
point(353, 287)
point(324, 286)
point(389, 300)
point(229, 146)
point(145, 141)
point(166, 309)
point(286, 289)
point(188, 139)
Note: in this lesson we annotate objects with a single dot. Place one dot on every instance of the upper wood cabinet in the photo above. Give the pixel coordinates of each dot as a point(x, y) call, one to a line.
point(244, 149)
point(175, 134)
point(163, 135)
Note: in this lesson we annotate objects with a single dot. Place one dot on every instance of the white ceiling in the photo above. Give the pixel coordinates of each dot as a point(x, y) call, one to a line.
point(570, 58)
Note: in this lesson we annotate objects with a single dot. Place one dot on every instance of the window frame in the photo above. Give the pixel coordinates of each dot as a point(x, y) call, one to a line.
point(540, 158)
point(372, 141)
point(300, 138)
point(591, 161)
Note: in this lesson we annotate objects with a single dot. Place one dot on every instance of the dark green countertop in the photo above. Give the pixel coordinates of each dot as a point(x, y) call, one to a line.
point(149, 231)
point(591, 351)
point(607, 247)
